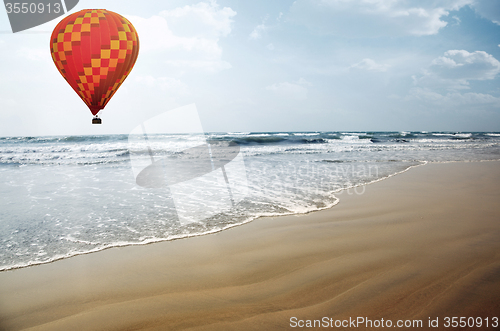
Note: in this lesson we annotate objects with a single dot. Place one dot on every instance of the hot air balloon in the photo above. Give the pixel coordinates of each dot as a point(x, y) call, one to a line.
point(94, 50)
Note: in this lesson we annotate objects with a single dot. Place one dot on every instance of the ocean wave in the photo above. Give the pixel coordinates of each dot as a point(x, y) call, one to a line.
point(308, 134)
point(279, 139)
point(259, 140)
point(403, 135)
point(456, 135)
point(357, 139)
point(354, 133)
point(59, 139)
point(313, 141)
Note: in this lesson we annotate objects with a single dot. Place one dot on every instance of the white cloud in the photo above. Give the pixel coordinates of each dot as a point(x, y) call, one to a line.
point(453, 72)
point(174, 86)
point(295, 90)
point(8, 104)
point(205, 20)
point(460, 64)
point(452, 99)
point(210, 66)
point(270, 47)
point(457, 20)
point(374, 17)
point(258, 31)
point(302, 81)
point(189, 34)
point(489, 9)
point(369, 65)
point(456, 68)
point(431, 80)
point(35, 54)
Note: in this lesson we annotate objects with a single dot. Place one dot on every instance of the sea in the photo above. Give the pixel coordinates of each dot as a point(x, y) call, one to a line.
point(62, 196)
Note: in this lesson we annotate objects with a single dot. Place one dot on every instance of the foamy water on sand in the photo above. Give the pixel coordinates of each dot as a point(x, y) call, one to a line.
point(63, 196)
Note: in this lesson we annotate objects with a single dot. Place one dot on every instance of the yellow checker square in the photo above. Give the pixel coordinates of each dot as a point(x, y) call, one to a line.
point(67, 45)
point(115, 44)
point(87, 71)
point(126, 27)
point(60, 37)
point(104, 71)
point(113, 63)
point(105, 53)
point(88, 14)
point(62, 56)
point(76, 36)
point(130, 45)
point(85, 27)
point(96, 63)
point(96, 79)
point(69, 28)
point(79, 20)
point(54, 46)
point(84, 80)
point(94, 20)
point(122, 35)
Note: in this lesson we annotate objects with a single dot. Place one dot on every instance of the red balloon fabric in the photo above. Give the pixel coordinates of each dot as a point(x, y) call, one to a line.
point(94, 50)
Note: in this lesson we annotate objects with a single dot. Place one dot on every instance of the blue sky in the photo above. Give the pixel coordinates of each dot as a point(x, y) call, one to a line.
point(304, 65)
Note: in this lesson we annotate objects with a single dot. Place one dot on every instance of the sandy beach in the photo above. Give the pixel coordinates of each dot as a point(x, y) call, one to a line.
point(420, 245)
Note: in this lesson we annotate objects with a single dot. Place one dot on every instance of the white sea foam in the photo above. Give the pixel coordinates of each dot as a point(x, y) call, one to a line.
point(461, 135)
point(310, 134)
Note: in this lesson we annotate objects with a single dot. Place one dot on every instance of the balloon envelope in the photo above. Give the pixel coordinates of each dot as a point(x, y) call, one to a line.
point(94, 50)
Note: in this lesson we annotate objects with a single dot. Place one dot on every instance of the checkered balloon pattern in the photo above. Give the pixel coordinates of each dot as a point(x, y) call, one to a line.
point(94, 50)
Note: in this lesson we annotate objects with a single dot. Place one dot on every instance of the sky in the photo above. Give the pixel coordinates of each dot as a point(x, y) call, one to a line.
point(257, 66)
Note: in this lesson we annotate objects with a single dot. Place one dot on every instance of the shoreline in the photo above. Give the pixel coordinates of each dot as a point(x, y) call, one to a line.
point(417, 245)
point(160, 240)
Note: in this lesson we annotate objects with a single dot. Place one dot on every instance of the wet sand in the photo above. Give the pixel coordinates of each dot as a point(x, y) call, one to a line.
point(419, 245)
